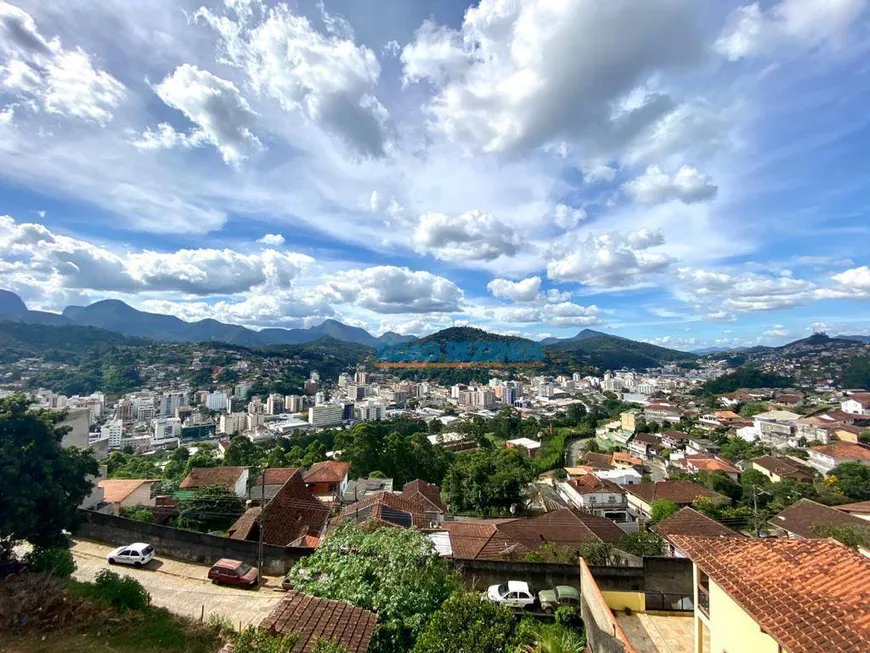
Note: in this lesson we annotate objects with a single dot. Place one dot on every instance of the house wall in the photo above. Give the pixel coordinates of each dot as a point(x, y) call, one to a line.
point(241, 486)
point(634, 601)
point(140, 496)
point(731, 629)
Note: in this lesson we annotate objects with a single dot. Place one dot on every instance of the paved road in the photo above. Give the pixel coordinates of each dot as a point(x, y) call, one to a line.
point(183, 588)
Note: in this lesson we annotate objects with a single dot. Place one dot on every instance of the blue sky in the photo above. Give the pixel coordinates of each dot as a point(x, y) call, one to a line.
point(687, 172)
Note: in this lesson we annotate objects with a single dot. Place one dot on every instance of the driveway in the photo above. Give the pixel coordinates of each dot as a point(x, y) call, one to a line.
point(183, 588)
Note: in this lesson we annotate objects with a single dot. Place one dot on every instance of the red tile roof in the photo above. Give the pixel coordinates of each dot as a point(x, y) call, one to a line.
point(801, 517)
point(625, 458)
point(383, 507)
point(681, 492)
point(313, 618)
point(600, 460)
point(707, 463)
point(808, 595)
point(205, 476)
point(844, 451)
point(861, 507)
point(784, 467)
point(427, 494)
point(275, 476)
point(591, 483)
point(328, 471)
point(116, 490)
point(689, 521)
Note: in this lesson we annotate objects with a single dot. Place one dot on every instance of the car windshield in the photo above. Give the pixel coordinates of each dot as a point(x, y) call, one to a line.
point(502, 589)
point(148, 550)
point(243, 569)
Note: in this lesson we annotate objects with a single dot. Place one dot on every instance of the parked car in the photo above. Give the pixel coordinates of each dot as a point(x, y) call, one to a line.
point(514, 594)
point(559, 596)
point(233, 572)
point(137, 554)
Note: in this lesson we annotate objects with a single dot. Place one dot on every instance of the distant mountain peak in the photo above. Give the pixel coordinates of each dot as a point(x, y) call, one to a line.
point(11, 305)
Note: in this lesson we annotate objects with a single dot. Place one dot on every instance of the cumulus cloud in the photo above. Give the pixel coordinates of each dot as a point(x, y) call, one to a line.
point(391, 289)
point(474, 236)
point(718, 294)
point(517, 291)
point(326, 77)
point(73, 263)
point(805, 23)
point(518, 75)
point(274, 240)
point(223, 117)
point(855, 280)
point(50, 77)
point(567, 217)
point(570, 314)
point(655, 186)
point(608, 260)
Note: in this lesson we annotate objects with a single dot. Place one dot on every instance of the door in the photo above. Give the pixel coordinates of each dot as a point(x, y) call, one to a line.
point(124, 556)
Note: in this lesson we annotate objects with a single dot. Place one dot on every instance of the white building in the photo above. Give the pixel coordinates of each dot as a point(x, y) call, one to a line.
point(370, 411)
point(776, 427)
point(325, 415)
point(166, 428)
point(294, 403)
point(241, 390)
point(231, 423)
point(857, 404)
point(217, 400)
point(319, 397)
point(114, 431)
point(253, 421)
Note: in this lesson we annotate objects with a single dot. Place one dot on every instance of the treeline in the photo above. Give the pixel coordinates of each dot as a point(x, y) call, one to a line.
point(745, 377)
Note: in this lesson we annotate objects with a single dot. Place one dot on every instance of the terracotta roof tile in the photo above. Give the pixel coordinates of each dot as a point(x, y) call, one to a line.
point(844, 451)
point(860, 506)
point(427, 494)
point(591, 483)
point(708, 463)
point(276, 476)
point(388, 508)
point(681, 492)
point(314, 618)
point(600, 460)
point(328, 471)
point(809, 595)
point(784, 467)
point(206, 476)
point(689, 521)
point(801, 517)
point(116, 490)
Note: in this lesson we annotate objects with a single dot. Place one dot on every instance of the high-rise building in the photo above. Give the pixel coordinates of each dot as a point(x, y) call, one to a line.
point(254, 420)
point(294, 403)
point(232, 423)
point(275, 404)
point(165, 428)
point(360, 378)
point(241, 390)
point(319, 397)
point(145, 412)
point(370, 410)
point(314, 376)
point(114, 431)
point(508, 396)
point(217, 400)
point(344, 380)
point(325, 415)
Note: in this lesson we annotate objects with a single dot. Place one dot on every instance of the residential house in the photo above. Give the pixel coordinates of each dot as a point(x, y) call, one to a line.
point(628, 420)
point(733, 399)
point(825, 457)
point(720, 419)
point(453, 441)
point(814, 429)
point(387, 509)
point(688, 521)
point(310, 619)
point(776, 427)
point(231, 478)
point(292, 517)
point(624, 460)
point(662, 413)
point(693, 463)
point(790, 399)
point(801, 518)
point(778, 596)
point(858, 403)
point(674, 439)
point(270, 481)
point(779, 468)
point(429, 496)
point(327, 480)
point(494, 539)
point(860, 509)
point(645, 445)
point(526, 445)
point(126, 493)
point(846, 433)
point(359, 489)
point(683, 493)
point(597, 496)
point(628, 476)
point(596, 460)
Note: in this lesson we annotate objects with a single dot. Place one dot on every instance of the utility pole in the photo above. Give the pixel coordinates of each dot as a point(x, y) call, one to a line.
point(261, 520)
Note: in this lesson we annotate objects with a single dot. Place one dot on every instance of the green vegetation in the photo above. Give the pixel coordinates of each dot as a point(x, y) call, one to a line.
point(121, 592)
point(662, 509)
point(394, 572)
point(857, 373)
point(852, 480)
point(41, 483)
point(256, 640)
point(327, 646)
point(745, 377)
point(462, 619)
point(212, 508)
point(138, 513)
point(643, 544)
point(56, 561)
point(487, 481)
point(851, 536)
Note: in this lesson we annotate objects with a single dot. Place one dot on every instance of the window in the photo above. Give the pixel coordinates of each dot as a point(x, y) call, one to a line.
point(125, 552)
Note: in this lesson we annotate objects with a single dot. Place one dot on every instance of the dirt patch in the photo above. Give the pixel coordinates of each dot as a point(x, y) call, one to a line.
point(37, 602)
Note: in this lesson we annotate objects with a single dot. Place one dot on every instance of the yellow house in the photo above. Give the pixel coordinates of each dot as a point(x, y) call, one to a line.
point(628, 420)
point(778, 595)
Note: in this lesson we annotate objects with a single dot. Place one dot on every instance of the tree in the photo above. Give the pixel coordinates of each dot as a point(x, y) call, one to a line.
point(488, 481)
point(176, 468)
point(138, 513)
point(41, 483)
point(463, 619)
point(394, 572)
point(552, 552)
point(643, 544)
point(662, 509)
point(212, 508)
point(852, 480)
point(204, 457)
point(600, 554)
point(851, 536)
point(240, 452)
point(576, 412)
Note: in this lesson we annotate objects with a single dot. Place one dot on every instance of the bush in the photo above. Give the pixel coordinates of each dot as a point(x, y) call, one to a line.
point(122, 592)
point(327, 646)
point(256, 640)
point(55, 561)
point(568, 616)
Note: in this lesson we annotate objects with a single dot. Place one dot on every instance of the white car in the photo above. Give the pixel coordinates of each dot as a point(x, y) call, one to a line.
point(514, 594)
point(137, 554)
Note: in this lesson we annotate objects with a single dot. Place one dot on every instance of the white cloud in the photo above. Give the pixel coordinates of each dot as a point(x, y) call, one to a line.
point(390, 289)
point(374, 202)
point(803, 23)
point(599, 172)
point(567, 217)
point(273, 240)
point(608, 260)
point(655, 186)
point(521, 315)
point(517, 291)
point(72, 263)
point(569, 314)
point(855, 279)
point(718, 294)
point(48, 76)
point(519, 75)
point(326, 77)
point(472, 236)
point(223, 117)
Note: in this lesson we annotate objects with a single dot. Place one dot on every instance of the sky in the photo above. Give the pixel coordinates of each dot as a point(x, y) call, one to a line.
point(692, 173)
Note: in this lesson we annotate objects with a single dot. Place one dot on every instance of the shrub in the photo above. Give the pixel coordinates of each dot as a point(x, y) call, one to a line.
point(327, 646)
point(257, 640)
point(122, 592)
point(568, 616)
point(55, 561)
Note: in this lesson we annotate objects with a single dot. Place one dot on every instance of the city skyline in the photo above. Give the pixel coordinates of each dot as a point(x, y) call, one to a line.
point(686, 173)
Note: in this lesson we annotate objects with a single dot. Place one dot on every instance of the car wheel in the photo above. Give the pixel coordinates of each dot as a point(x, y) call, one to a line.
point(112, 561)
point(137, 564)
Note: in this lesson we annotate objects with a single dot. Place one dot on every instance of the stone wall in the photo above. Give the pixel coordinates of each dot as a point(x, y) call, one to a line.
point(189, 546)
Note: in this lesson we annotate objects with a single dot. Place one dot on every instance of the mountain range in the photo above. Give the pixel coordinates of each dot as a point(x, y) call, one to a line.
point(586, 347)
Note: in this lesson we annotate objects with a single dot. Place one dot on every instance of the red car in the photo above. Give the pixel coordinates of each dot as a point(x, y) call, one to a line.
point(233, 572)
